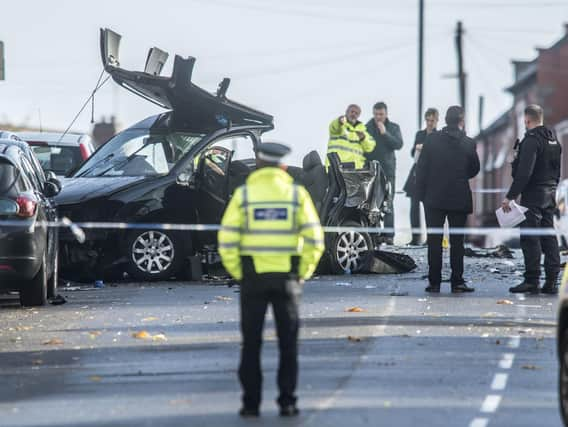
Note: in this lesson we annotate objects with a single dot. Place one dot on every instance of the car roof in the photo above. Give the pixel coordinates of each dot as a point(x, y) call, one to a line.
point(55, 138)
point(12, 150)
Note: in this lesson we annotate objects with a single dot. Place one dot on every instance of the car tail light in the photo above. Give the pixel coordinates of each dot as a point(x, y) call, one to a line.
point(26, 207)
point(85, 153)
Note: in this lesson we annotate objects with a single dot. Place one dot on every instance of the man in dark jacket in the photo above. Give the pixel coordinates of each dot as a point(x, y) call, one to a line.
point(431, 118)
point(536, 172)
point(447, 162)
point(388, 139)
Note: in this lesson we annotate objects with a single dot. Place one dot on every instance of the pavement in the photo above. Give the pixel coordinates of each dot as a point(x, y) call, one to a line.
point(166, 354)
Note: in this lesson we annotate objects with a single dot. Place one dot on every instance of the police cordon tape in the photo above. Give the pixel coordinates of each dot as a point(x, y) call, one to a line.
point(78, 228)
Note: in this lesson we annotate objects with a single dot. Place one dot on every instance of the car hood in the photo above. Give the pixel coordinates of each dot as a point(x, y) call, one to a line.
point(77, 190)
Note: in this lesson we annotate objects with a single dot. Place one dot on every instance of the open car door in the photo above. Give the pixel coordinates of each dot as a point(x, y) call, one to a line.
point(190, 103)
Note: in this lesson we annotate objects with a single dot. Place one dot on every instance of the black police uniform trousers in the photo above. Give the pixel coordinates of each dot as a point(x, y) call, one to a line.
point(415, 218)
point(540, 216)
point(282, 291)
point(435, 218)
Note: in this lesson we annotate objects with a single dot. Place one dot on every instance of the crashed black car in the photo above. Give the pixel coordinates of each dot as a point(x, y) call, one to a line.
point(181, 167)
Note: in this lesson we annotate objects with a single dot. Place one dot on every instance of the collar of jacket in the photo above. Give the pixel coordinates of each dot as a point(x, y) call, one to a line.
point(542, 132)
point(454, 132)
point(269, 173)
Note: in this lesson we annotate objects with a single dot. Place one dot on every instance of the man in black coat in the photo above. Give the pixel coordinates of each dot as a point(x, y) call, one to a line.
point(388, 138)
point(431, 118)
point(536, 172)
point(447, 162)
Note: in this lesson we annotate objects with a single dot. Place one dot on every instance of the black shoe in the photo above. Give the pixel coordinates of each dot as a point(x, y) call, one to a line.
point(249, 413)
point(524, 288)
point(550, 288)
point(433, 289)
point(461, 288)
point(289, 411)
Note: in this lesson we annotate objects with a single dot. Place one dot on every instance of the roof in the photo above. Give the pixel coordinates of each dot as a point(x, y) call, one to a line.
point(501, 122)
point(54, 138)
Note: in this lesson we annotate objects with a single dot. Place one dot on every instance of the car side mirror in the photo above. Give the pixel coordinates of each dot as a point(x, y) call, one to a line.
point(52, 188)
point(50, 175)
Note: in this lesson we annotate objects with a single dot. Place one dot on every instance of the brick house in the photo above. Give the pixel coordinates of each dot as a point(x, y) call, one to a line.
point(542, 81)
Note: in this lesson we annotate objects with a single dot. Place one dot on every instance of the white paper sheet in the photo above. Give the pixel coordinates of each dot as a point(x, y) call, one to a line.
point(512, 218)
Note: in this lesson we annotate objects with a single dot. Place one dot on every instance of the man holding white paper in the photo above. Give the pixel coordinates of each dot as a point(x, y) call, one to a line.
point(536, 173)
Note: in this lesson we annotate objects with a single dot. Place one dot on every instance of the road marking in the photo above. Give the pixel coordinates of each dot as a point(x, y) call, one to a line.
point(507, 361)
point(328, 403)
point(479, 422)
point(491, 403)
point(515, 342)
point(499, 382)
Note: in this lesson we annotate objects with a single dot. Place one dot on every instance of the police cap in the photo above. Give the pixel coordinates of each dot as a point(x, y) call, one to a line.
point(272, 152)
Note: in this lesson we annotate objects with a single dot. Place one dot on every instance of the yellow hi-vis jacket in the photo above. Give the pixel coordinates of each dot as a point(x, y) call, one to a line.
point(344, 141)
point(271, 219)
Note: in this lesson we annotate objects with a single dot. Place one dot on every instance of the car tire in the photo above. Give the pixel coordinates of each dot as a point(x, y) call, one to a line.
point(52, 281)
point(350, 251)
point(153, 254)
point(34, 292)
point(563, 379)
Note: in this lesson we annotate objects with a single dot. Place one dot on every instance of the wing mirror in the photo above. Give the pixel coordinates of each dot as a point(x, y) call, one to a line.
point(52, 185)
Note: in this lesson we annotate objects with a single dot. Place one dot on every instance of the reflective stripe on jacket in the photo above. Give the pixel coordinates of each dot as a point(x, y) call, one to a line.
point(271, 219)
point(344, 141)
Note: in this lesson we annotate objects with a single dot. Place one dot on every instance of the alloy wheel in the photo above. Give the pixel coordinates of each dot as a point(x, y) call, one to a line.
point(350, 250)
point(153, 252)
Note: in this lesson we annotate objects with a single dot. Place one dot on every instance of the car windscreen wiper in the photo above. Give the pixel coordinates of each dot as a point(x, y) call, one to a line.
point(103, 160)
point(125, 161)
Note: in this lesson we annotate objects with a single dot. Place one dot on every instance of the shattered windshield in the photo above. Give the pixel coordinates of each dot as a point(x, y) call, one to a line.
point(139, 152)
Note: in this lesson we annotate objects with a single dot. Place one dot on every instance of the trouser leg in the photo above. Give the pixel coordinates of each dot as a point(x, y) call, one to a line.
point(456, 220)
point(435, 219)
point(253, 310)
point(389, 217)
point(415, 219)
point(286, 316)
point(531, 247)
point(549, 246)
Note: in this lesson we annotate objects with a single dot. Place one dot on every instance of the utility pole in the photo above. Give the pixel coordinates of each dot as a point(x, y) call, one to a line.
point(480, 113)
point(420, 60)
point(461, 73)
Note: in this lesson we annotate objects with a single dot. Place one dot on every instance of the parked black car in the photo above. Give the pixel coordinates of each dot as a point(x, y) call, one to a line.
point(28, 246)
point(181, 167)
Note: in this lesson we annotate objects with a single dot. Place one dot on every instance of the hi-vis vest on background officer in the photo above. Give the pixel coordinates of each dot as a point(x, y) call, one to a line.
point(348, 137)
point(536, 173)
point(270, 241)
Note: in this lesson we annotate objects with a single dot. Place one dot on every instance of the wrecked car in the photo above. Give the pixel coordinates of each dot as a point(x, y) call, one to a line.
point(181, 167)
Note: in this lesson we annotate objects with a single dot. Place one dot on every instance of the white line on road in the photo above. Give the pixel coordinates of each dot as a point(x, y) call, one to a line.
point(507, 361)
point(499, 382)
point(514, 342)
point(491, 403)
point(479, 422)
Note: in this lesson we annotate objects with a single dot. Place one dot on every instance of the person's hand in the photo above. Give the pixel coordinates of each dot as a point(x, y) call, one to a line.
point(419, 147)
point(382, 128)
point(360, 134)
point(301, 282)
point(506, 205)
point(342, 120)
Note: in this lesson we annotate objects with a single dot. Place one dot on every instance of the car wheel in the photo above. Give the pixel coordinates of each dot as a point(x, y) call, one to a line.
point(351, 250)
point(52, 281)
point(34, 292)
point(153, 254)
point(563, 379)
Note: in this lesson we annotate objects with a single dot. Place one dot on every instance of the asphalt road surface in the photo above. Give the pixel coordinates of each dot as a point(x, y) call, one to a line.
point(406, 359)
